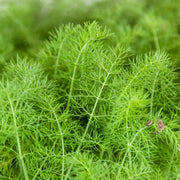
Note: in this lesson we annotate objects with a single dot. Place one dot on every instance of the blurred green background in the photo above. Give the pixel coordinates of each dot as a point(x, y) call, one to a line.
point(140, 25)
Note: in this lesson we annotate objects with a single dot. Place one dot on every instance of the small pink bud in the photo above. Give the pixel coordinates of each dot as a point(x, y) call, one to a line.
point(161, 126)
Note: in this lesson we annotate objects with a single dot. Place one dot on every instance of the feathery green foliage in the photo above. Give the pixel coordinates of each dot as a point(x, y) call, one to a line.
point(77, 105)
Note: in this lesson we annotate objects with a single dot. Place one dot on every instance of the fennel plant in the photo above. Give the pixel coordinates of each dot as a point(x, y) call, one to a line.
point(77, 106)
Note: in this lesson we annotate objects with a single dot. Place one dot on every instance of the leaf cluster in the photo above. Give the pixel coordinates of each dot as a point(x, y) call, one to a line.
point(77, 105)
point(81, 112)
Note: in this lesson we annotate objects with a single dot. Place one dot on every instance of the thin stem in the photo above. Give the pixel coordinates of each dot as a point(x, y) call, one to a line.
point(129, 147)
point(85, 167)
point(74, 74)
point(129, 154)
point(18, 139)
point(152, 95)
point(58, 56)
point(92, 113)
point(90, 119)
point(39, 169)
point(62, 140)
point(134, 77)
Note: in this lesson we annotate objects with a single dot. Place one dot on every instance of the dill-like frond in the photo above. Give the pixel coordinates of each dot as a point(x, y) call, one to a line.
point(84, 104)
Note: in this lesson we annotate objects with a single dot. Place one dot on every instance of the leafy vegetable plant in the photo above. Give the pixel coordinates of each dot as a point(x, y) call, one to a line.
point(84, 108)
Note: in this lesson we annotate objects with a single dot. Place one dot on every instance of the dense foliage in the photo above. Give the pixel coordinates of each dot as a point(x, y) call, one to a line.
point(91, 100)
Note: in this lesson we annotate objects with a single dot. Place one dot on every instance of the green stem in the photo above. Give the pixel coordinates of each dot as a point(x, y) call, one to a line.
point(152, 95)
point(62, 140)
point(129, 147)
point(39, 169)
point(129, 154)
point(73, 75)
point(18, 140)
point(91, 116)
point(58, 56)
